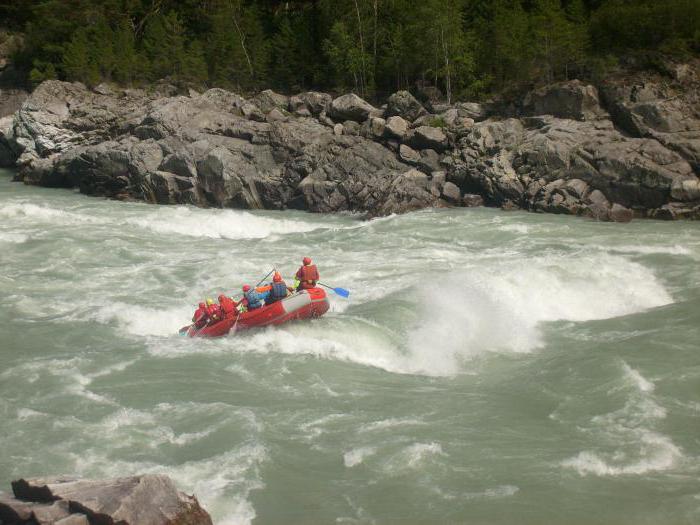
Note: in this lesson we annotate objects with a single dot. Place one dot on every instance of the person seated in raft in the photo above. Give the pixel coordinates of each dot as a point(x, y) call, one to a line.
point(201, 316)
point(277, 289)
point(228, 306)
point(252, 299)
point(307, 275)
point(214, 311)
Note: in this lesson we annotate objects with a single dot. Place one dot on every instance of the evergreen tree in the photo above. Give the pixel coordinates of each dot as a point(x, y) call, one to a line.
point(78, 59)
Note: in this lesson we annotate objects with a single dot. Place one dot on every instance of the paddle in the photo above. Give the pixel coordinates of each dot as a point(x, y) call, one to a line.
point(342, 292)
point(263, 279)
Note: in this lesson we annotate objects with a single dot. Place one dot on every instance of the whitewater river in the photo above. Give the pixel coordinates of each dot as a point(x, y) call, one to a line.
point(489, 367)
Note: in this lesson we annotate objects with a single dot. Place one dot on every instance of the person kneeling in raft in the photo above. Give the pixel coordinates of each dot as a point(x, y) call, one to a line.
point(252, 298)
point(277, 289)
point(307, 275)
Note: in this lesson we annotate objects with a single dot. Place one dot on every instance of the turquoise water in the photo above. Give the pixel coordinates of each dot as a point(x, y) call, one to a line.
point(489, 367)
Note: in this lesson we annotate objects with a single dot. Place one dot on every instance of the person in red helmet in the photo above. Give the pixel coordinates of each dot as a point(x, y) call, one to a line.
point(201, 316)
point(252, 300)
point(276, 290)
point(307, 275)
point(228, 306)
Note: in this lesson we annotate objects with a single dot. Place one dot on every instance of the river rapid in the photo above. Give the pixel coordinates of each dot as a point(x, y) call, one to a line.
point(489, 367)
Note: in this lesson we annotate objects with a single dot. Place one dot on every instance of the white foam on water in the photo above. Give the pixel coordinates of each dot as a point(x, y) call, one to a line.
point(635, 447)
point(30, 212)
point(354, 457)
point(656, 453)
point(501, 307)
point(413, 457)
point(392, 422)
point(637, 379)
point(501, 491)
point(675, 249)
point(13, 238)
point(219, 224)
point(142, 320)
point(363, 347)
point(27, 413)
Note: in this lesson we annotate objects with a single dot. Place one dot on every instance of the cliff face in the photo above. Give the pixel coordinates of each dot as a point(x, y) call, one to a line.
point(628, 148)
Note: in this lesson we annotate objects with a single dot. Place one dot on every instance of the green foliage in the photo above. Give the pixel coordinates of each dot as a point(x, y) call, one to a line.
point(465, 48)
point(437, 122)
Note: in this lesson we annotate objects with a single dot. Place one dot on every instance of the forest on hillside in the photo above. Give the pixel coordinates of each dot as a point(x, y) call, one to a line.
point(464, 48)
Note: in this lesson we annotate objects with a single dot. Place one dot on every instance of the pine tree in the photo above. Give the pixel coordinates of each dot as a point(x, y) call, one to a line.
point(78, 59)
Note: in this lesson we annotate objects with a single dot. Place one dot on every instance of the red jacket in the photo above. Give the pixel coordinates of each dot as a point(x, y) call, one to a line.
point(228, 306)
point(200, 317)
point(214, 311)
point(307, 276)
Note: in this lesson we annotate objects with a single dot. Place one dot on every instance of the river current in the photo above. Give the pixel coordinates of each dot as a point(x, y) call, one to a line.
point(489, 367)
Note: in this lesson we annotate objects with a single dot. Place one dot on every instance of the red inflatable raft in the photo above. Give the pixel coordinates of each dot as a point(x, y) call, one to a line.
point(306, 304)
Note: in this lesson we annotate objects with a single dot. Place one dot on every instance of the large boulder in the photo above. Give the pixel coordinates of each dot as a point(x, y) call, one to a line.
point(571, 100)
point(396, 128)
point(428, 137)
point(268, 100)
point(312, 101)
point(137, 500)
point(351, 107)
point(404, 105)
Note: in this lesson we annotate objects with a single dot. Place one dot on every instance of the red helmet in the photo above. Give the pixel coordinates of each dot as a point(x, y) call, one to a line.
point(277, 278)
point(222, 297)
point(246, 287)
point(307, 261)
point(202, 305)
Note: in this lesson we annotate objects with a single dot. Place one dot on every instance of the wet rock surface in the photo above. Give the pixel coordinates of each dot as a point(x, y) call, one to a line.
point(137, 500)
point(626, 150)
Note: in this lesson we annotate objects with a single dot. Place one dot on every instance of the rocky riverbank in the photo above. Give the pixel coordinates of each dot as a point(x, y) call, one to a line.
point(627, 148)
point(137, 500)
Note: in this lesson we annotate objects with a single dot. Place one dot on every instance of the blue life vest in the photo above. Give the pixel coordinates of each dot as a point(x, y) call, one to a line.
point(277, 292)
point(253, 299)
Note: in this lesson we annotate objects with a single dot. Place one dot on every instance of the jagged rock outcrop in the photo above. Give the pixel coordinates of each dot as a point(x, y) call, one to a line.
point(631, 152)
point(137, 500)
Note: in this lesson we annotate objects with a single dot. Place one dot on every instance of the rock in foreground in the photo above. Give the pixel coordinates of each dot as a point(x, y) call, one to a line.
point(137, 500)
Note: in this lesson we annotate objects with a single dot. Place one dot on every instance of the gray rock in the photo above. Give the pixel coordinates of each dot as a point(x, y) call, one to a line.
point(268, 100)
point(573, 100)
point(350, 127)
point(429, 161)
point(452, 193)
point(350, 107)
point(216, 149)
point(74, 519)
point(471, 200)
point(148, 499)
point(180, 163)
point(377, 126)
point(619, 213)
point(472, 110)
point(396, 127)
point(252, 112)
point(426, 137)
point(15, 511)
point(408, 154)
point(275, 116)
point(312, 101)
point(404, 105)
point(686, 189)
